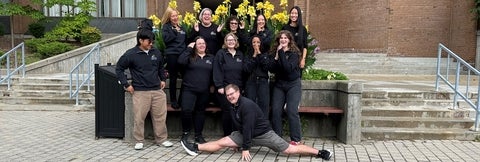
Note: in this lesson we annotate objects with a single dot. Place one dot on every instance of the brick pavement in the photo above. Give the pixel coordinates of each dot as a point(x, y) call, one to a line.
point(70, 136)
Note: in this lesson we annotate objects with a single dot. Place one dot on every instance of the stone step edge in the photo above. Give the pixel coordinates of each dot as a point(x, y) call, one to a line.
point(418, 119)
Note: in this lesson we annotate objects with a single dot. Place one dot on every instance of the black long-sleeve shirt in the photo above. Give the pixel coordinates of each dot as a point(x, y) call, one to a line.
point(228, 69)
point(198, 71)
point(257, 66)
point(287, 66)
point(174, 40)
point(213, 38)
point(145, 67)
point(297, 35)
point(249, 119)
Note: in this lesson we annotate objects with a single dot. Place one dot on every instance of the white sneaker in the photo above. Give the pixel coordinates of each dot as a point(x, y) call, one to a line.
point(167, 144)
point(138, 146)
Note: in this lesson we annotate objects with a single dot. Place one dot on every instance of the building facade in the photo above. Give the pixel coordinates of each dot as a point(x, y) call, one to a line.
point(407, 28)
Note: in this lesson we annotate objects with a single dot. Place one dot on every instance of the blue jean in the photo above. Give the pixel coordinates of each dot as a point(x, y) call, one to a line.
point(289, 94)
point(193, 110)
point(258, 90)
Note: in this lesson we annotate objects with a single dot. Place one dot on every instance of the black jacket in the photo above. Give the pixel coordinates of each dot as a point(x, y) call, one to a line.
point(287, 67)
point(198, 71)
point(257, 66)
point(146, 68)
point(213, 38)
point(228, 69)
point(174, 40)
point(249, 120)
point(304, 35)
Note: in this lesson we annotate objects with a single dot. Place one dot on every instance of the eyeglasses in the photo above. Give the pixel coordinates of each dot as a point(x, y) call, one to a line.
point(230, 94)
point(234, 23)
point(231, 40)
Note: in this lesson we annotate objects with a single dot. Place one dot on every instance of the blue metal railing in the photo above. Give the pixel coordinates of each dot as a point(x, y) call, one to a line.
point(455, 86)
point(83, 72)
point(7, 67)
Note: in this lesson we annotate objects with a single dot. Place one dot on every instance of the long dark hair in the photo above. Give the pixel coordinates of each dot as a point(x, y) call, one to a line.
point(255, 24)
point(250, 44)
point(299, 24)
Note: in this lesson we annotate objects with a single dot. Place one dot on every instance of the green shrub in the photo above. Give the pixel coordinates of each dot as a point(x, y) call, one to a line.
point(32, 44)
point(2, 29)
point(52, 49)
point(90, 35)
point(320, 74)
point(36, 29)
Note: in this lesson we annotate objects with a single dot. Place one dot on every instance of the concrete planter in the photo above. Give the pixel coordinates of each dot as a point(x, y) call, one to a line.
point(345, 95)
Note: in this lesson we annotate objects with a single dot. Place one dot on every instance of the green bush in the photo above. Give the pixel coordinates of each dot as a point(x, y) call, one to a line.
point(320, 74)
point(90, 35)
point(36, 29)
point(33, 44)
point(2, 29)
point(52, 49)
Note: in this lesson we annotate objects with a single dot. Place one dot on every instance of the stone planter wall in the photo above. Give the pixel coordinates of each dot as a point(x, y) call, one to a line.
point(342, 94)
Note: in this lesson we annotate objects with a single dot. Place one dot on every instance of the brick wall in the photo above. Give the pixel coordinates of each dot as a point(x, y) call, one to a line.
point(397, 27)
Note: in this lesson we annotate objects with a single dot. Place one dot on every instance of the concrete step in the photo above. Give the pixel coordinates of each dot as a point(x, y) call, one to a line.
point(42, 86)
point(393, 133)
point(45, 107)
point(410, 95)
point(405, 102)
point(43, 93)
point(419, 112)
point(45, 100)
point(416, 122)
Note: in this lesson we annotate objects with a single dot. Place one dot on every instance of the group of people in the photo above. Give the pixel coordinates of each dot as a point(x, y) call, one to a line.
point(222, 72)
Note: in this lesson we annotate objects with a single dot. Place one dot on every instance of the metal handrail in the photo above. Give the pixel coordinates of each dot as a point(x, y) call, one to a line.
point(83, 72)
point(9, 72)
point(456, 87)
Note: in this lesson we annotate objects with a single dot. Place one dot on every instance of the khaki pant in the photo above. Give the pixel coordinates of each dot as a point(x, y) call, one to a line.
point(154, 101)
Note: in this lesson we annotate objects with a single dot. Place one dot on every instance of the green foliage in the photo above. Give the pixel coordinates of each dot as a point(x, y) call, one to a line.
point(52, 49)
point(10, 9)
point(33, 44)
point(36, 29)
point(71, 25)
point(320, 74)
point(2, 29)
point(159, 43)
point(312, 49)
point(90, 35)
point(476, 9)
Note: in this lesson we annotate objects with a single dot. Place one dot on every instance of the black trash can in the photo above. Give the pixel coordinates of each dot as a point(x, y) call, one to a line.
point(109, 103)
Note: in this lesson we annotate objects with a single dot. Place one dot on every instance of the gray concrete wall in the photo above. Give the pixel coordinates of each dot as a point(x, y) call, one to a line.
point(110, 50)
point(342, 94)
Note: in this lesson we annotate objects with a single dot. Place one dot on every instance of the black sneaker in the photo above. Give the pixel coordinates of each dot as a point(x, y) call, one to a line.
point(324, 154)
point(191, 148)
point(200, 139)
point(184, 137)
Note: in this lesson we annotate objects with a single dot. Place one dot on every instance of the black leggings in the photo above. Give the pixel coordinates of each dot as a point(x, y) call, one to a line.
point(173, 69)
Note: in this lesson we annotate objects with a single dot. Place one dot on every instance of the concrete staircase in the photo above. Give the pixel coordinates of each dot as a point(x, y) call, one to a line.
point(43, 92)
point(378, 63)
point(415, 115)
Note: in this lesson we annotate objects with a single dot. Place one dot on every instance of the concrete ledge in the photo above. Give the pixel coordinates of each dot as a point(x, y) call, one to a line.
point(343, 95)
point(110, 50)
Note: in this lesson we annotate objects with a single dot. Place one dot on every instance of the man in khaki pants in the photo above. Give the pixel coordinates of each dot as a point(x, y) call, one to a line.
point(148, 80)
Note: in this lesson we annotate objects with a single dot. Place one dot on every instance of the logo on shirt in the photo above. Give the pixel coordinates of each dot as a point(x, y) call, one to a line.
point(239, 60)
point(153, 58)
point(213, 33)
point(208, 62)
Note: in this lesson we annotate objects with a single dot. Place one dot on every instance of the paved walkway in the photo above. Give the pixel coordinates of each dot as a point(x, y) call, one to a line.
point(70, 136)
